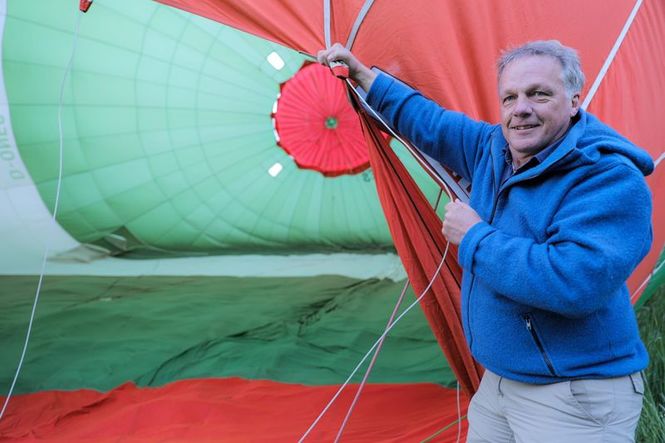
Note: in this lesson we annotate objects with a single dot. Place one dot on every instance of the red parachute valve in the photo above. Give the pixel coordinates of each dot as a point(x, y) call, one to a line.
point(84, 5)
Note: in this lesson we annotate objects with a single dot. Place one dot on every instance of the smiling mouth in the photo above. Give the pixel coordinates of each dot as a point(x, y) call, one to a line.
point(523, 127)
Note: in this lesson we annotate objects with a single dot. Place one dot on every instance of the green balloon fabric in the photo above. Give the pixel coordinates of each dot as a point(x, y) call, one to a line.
point(99, 332)
point(168, 141)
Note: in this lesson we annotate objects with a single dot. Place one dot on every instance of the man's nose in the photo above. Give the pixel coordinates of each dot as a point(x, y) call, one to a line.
point(522, 106)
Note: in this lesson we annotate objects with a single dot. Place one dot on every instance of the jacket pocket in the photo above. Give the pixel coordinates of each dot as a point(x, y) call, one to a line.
point(531, 327)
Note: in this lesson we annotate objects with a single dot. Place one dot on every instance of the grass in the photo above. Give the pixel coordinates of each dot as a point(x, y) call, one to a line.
point(651, 318)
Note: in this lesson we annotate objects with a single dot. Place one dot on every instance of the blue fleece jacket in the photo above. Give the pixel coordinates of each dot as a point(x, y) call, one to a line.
point(544, 297)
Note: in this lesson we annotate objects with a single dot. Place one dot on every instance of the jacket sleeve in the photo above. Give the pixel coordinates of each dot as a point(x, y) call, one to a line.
point(450, 137)
point(597, 237)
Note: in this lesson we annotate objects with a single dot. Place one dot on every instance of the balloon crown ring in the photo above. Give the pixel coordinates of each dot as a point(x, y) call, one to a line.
point(331, 122)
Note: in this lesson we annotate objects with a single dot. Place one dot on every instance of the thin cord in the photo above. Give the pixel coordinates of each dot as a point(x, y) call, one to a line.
point(385, 333)
point(370, 366)
point(379, 342)
point(459, 415)
point(55, 213)
point(378, 350)
point(450, 197)
point(442, 430)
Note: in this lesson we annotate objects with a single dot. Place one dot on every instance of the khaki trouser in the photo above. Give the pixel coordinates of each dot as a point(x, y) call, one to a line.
point(586, 411)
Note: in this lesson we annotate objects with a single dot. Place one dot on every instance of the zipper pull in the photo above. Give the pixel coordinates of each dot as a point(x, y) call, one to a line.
point(528, 323)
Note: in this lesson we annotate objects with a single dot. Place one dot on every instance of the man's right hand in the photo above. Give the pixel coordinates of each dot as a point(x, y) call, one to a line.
point(358, 72)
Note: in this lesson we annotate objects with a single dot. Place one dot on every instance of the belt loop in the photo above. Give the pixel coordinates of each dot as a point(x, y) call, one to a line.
point(499, 386)
point(637, 379)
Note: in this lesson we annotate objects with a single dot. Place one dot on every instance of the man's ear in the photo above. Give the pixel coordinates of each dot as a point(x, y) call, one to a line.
point(575, 102)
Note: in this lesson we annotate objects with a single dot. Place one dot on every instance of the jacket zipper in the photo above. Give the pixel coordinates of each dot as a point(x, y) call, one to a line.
point(539, 344)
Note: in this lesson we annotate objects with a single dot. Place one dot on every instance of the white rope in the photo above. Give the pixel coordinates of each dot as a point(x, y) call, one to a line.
point(376, 343)
point(55, 213)
point(356, 25)
point(376, 353)
point(459, 414)
point(370, 366)
point(658, 160)
point(399, 301)
point(596, 85)
point(390, 325)
point(326, 23)
point(612, 54)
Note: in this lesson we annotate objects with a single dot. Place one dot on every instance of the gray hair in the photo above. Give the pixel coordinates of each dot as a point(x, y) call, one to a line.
point(571, 72)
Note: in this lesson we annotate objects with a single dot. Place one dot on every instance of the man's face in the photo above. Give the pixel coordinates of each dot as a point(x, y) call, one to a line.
point(535, 109)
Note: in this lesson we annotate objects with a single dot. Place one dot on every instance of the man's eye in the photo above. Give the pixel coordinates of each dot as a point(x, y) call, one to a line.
point(508, 99)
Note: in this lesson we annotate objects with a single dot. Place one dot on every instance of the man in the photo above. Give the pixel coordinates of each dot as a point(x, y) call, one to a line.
point(559, 217)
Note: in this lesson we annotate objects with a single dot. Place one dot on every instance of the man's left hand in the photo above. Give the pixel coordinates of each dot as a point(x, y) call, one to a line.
point(459, 218)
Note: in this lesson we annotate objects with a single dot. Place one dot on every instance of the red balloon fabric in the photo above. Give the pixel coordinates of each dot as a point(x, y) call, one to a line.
point(233, 410)
point(447, 49)
point(317, 126)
